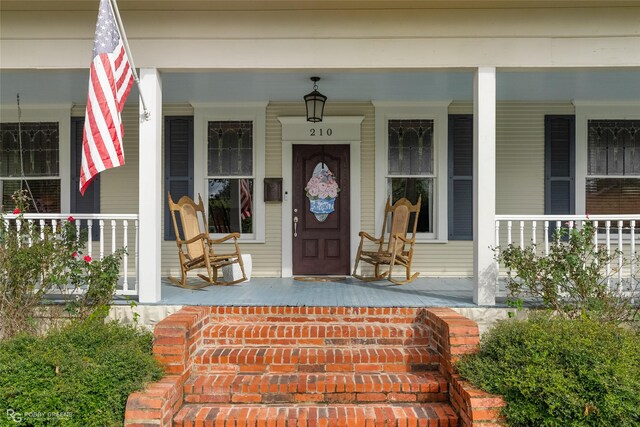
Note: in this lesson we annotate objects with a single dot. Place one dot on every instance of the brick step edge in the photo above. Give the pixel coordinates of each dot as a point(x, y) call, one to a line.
point(315, 359)
point(380, 415)
point(318, 388)
point(318, 334)
point(298, 314)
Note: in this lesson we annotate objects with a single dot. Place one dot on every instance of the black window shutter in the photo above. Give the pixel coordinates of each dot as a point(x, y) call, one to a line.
point(178, 164)
point(460, 177)
point(559, 165)
point(90, 202)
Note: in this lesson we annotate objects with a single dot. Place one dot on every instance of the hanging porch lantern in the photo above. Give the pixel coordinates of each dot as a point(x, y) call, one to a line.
point(315, 102)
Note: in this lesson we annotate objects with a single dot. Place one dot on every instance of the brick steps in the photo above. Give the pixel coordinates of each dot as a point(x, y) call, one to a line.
point(285, 333)
point(383, 415)
point(315, 359)
point(312, 366)
point(316, 387)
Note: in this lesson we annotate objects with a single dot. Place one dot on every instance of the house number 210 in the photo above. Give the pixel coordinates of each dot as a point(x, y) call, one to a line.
point(320, 132)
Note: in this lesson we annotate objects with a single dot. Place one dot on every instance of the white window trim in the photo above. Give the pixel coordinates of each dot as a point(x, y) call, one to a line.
point(438, 112)
point(255, 112)
point(60, 113)
point(586, 111)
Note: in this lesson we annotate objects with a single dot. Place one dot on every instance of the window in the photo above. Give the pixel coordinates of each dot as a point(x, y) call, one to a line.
point(30, 160)
point(411, 159)
point(230, 176)
point(613, 167)
point(410, 168)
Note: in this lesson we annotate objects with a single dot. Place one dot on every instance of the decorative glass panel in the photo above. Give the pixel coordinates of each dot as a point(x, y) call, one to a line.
point(230, 148)
point(410, 147)
point(40, 152)
point(230, 205)
point(614, 147)
point(410, 188)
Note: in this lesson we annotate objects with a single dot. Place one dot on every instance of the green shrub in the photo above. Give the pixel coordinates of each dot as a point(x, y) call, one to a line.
point(77, 376)
point(36, 262)
point(560, 372)
point(572, 279)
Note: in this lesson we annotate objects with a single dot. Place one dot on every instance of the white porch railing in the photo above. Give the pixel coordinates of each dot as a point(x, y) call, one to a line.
point(115, 231)
point(614, 232)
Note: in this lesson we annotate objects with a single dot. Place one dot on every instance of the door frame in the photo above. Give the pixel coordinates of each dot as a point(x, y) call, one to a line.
point(296, 130)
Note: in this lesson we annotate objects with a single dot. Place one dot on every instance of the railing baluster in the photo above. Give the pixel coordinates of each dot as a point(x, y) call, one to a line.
point(136, 255)
point(78, 226)
point(534, 232)
point(89, 237)
point(620, 253)
point(546, 237)
point(18, 228)
point(558, 227)
point(497, 255)
point(607, 227)
point(632, 248)
point(521, 234)
point(101, 238)
point(29, 229)
point(113, 236)
point(43, 224)
point(509, 227)
point(125, 259)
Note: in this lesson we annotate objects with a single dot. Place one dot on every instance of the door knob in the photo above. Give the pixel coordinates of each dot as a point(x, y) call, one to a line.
point(295, 226)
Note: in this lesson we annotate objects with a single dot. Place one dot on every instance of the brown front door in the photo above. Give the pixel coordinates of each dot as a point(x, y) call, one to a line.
point(321, 209)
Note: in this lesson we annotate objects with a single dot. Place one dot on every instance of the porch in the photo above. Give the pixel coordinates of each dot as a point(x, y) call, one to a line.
point(345, 292)
point(108, 232)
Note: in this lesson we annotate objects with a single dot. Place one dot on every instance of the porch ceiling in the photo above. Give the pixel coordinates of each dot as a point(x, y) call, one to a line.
point(38, 87)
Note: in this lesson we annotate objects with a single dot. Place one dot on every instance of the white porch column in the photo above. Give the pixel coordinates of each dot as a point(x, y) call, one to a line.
point(150, 187)
point(484, 186)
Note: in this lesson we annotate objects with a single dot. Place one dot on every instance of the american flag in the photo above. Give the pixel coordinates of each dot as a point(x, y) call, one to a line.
point(110, 80)
point(245, 199)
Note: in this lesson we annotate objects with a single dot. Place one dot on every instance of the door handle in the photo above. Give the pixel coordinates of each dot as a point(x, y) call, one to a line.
point(295, 226)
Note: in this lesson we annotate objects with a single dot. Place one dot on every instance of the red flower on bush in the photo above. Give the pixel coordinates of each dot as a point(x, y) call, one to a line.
point(75, 254)
point(87, 258)
point(16, 211)
point(71, 219)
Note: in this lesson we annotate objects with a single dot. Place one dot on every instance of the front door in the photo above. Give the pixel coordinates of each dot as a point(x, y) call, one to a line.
point(321, 197)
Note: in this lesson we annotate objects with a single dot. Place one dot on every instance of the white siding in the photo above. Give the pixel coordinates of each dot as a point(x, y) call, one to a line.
point(385, 37)
point(520, 155)
point(520, 179)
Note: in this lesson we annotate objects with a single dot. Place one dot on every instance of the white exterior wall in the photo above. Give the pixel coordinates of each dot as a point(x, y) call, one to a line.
point(519, 176)
point(281, 39)
point(359, 39)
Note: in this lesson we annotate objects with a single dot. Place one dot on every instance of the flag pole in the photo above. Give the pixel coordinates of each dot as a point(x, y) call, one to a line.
point(114, 6)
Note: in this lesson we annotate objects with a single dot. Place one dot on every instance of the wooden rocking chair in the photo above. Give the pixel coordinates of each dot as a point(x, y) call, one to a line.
point(195, 247)
point(397, 249)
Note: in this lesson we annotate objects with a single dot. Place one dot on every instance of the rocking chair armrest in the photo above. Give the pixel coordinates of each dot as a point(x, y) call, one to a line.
point(200, 236)
point(369, 236)
point(405, 240)
point(225, 238)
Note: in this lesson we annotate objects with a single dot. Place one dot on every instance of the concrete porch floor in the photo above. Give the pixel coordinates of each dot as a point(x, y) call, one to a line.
point(348, 292)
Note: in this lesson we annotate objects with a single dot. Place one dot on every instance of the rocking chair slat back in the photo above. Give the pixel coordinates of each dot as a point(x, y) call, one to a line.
point(399, 224)
point(195, 247)
point(394, 247)
point(189, 218)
